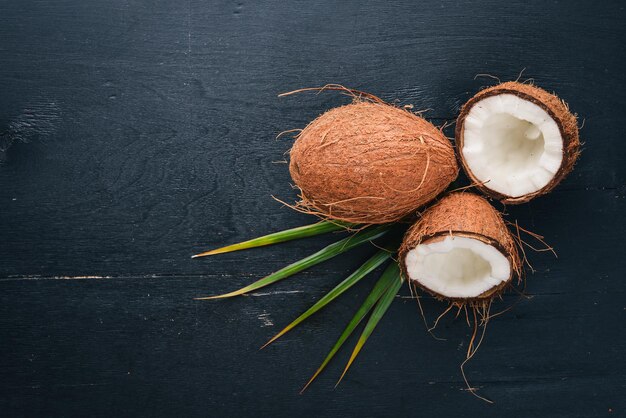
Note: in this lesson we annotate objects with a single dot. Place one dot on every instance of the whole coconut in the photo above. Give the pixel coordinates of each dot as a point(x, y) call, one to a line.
point(370, 163)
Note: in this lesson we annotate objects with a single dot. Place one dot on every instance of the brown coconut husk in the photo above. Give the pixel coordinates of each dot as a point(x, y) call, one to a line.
point(370, 162)
point(555, 107)
point(468, 215)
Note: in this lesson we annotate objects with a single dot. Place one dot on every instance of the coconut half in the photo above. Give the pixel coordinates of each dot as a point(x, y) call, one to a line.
point(370, 163)
point(516, 141)
point(460, 250)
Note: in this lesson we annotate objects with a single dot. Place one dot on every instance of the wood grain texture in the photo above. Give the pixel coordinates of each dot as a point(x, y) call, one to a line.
point(135, 133)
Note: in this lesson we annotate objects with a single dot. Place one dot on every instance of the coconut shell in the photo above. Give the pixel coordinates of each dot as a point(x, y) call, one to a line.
point(555, 107)
point(370, 163)
point(468, 215)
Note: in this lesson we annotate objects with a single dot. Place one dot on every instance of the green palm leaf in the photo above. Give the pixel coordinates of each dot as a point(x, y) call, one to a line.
point(282, 236)
point(380, 309)
point(380, 257)
point(386, 280)
point(324, 254)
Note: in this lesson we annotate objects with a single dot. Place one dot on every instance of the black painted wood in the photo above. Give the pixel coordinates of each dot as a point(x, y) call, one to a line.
point(135, 133)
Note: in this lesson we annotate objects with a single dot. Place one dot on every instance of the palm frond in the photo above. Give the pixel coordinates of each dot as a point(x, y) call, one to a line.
point(380, 257)
point(339, 247)
point(282, 236)
point(379, 311)
point(382, 285)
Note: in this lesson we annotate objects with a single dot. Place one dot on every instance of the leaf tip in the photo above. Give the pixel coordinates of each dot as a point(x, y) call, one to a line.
point(206, 253)
point(305, 387)
point(340, 378)
point(212, 297)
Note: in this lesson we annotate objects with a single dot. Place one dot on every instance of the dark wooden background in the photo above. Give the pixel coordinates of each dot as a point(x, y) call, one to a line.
point(135, 133)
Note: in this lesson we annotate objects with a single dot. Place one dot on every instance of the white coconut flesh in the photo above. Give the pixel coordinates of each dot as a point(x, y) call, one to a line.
point(457, 267)
point(511, 145)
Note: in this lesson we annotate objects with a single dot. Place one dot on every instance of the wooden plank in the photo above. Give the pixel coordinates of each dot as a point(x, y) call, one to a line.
point(134, 134)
